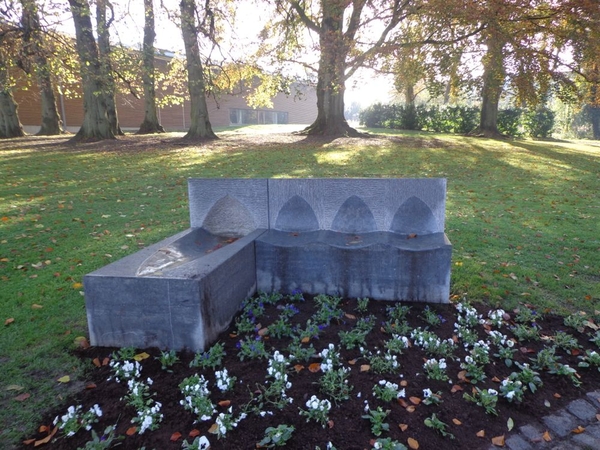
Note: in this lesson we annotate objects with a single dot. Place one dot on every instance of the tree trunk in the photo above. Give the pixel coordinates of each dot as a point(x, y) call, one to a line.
point(95, 124)
point(150, 123)
point(331, 84)
point(51, 122)
point(106, 67)
point(493, 81)
point(200, 127)
point(10, 126)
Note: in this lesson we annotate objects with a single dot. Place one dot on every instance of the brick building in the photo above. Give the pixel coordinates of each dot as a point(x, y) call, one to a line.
point(228, 110)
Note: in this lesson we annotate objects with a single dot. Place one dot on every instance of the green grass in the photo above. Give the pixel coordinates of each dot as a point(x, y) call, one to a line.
point(523, 217)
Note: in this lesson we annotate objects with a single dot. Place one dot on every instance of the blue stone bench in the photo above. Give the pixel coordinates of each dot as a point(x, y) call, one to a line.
point(377, 238)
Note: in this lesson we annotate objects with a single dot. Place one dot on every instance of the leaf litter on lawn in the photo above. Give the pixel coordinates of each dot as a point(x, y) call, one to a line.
point(469, 424)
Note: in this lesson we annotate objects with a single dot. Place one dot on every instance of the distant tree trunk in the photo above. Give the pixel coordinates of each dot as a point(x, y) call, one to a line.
point(331, 83)
point(200, 127)
point(51, 121)
point(105, 65)
point(95, 124)
point(10, 126)
point(493, 81)
point(150, 123)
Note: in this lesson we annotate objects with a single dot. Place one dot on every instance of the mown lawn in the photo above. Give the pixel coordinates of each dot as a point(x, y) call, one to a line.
point(523, 216)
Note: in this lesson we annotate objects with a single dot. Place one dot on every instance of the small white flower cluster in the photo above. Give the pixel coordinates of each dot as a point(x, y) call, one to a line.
point(196, 397)
point(223, 380)
point(388, 391)
point(402, 340)
point(434, 363)
point(225, 422)
point(331, 358)
point(318, 410)
point(74, 419)
point(148, 418)
point(430, 342)
point(436, 370)
point(315, 404)
point(480, 352)
point(124, 370)
point(148, 411)
point(496, 317)
point(277, 370)
point(512, 389)
point(468, 316)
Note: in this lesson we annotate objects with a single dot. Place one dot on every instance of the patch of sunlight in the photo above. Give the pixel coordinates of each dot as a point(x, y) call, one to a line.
point(340, 157)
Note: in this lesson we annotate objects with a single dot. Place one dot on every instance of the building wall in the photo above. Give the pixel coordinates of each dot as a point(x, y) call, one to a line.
point(300, 110)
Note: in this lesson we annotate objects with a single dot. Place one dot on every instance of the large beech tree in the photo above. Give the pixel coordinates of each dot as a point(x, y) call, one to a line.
point(200, 127)
point(34, 59)
point(95, 124)
point(150, 123)
point(10, 126)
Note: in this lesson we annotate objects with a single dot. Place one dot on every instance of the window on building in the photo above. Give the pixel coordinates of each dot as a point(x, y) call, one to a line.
point(255, 116)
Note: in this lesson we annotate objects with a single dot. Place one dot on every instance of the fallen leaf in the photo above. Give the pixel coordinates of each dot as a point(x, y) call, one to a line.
point(36, 306)
point(263, 331)
point(175, 436)
point(9, 321)
point(498, 441)
point(195, 432)
point(410, 408)
point(298, 367)
point(14, 387)
point(412, 236)
point(314, 367)
point(456, 422)
point(77, 285)
point(91, 386)
point(575, 351)
point(510, 424)
point(47, 438)
point(403, 427)
point(28, 441)
point(413, 443)
point(578, 430)
point(496, 380)
point(402, 402)
point(404, 383)
point(305, 340)
point(546, 436)
point(81, 342)
point(141, 356)
point(43, 429)
point(330, 424)
point(415, 400)
point(456, 388)
point(224, 403)
point(365, 368)
point(96, 362)
point(214, 428)
point(598, 417)
point(64, 379)
point(546, 403)
point(462, 376)
point(105, 361)
point(480, 434)
point(557, 395)
point(350, 316)
point(352, 362)
point(22, 397)
point(131, 431)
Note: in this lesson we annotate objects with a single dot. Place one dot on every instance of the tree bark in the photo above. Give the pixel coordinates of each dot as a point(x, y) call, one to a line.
point(51, 122)
point(331, 84)
point(200, 127)
point(10, 126)
point(150, 123)
point(493, 81)
point(95, 124)
point(106, 67)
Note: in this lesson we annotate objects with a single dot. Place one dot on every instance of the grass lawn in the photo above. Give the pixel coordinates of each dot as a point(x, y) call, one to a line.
point(523, 216)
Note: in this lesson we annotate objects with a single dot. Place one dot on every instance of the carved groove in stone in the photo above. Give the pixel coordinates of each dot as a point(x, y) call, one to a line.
point(228, 217)
point(296, 215)
point(414, 216)
point(354, 216)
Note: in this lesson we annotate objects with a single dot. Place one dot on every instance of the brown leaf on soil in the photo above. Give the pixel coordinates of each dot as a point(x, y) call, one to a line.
point(498, 441)
point(462, 376)
point(456, 388)
point(43, 429)
point(131, 431)
point(456, 422)
point(22, 397)
point(105, 361)
point(578, 430)
point(82, 342)
point(305, 340)
point(575, 352)
point(352, 362)
point(263, 331)
point(365, 368)
point(299, 368)
point(496, 380)
point(96, 362)
point(47, 438)
point(402, 402)
point(232, 335)
point(9, 321)
point(413, 443)
point(91, 386)
point(141, 356)
point(224, 403)
point(350, 316)
point(175, 436)
point(195, 432)
point(415, 400)
point(546, 436)
point(410, 409)
point(330, 424)
point(480, 434)
point(214, 428)
point(403, 427)
point(557, 395)
point(314, 367)
point(404, 383)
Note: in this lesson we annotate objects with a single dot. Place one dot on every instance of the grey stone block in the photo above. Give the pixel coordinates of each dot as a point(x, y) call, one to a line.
point(587, 440)
point(561, 423)
point(531, 432)
point(516, 442)
point(594, 399)
point(182, 305)
point(582, 409)
point(594, 430)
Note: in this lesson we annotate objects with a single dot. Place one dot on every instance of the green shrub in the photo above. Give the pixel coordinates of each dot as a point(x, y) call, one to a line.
point(539, 123)
point(509, 121)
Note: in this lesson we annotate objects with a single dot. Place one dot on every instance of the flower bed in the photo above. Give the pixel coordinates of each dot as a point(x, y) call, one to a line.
point(326, 372)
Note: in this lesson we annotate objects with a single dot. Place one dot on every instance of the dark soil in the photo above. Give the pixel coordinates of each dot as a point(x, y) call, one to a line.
point(348, 430)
